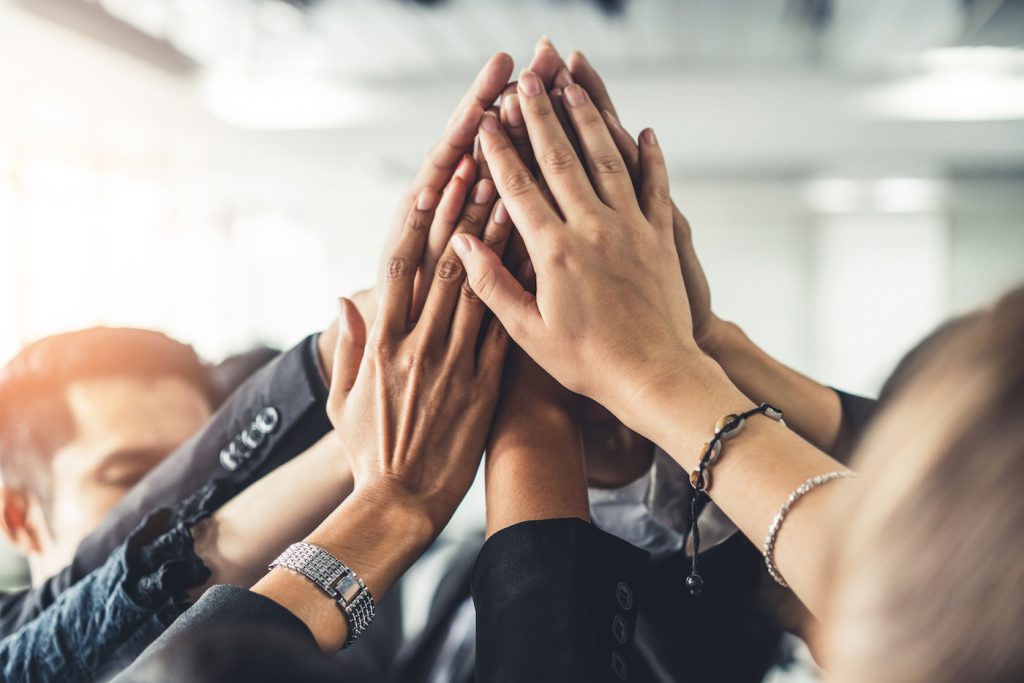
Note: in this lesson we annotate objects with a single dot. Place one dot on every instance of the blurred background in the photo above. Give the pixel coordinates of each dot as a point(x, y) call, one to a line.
point(222, 169)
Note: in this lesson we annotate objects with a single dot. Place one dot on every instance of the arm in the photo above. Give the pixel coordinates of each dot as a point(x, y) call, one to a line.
point(417, 410)
point(563, 572)
point(606, 320)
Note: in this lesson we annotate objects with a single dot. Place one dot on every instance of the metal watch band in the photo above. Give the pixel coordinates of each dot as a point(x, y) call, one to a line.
point(334, 578)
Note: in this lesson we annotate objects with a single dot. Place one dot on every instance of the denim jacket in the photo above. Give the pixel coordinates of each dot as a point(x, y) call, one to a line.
point(99, 625)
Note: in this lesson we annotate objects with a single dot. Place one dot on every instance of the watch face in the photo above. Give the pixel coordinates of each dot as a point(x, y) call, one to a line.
point(348, 587)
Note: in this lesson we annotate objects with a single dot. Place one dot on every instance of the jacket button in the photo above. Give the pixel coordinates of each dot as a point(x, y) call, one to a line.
point(619, 666)
point(252, 437)
point(624, 594)
point(267, 420)
point(619, 629)
point(228, 461)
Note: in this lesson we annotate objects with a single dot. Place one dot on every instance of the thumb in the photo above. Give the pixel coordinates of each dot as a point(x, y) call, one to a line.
point(496, 287)
point(348, 352)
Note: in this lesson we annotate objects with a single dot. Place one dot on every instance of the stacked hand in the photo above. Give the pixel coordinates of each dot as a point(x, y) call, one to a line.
point(624, 333)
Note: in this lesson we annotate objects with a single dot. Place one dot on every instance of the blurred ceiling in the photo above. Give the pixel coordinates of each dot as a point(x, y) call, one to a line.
point(786, 88)
point(396, 41)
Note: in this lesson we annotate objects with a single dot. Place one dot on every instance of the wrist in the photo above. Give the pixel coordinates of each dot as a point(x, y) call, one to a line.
point(678, 410)
point(424, 515)
point(716, 336)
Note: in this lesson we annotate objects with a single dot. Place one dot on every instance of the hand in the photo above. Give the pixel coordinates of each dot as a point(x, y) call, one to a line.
point(417, 407)
point(606, 320)
point(706, 325)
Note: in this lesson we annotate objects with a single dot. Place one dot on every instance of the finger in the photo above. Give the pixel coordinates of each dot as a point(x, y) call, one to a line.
point(606, 166)
point(469, 312)
point(655, 200)
point(400, 268)
point(457, 140)
point(558, 104)
point(458, 137)
point(449, 274)
point(483, 170)
point(627, 146)
point(498, 289)
point(449, 210)
point(491, 359)
point(548, 64)
point(518, 188)
point(562, 169)
point(515, 126)
point(586, 75)
point(348, 352)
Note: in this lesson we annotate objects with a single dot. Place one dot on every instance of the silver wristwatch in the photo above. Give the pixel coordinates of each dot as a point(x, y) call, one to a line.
point(335, 578)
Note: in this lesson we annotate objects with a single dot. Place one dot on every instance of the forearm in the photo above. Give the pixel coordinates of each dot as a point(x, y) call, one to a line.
point(757, 470)
point(238, 542)
point(534, 468)
point(377, 536)
point(536, 473)
point(811, 409)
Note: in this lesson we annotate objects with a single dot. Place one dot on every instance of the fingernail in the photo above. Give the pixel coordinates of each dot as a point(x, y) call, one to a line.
point(563, 79)
point(484, 192)
point(513, 111)
point(575, 96)
point(427, 199)
point(490, 122)
point(649, 137)
point(556, 93)
point(529, 83)
point(461, 245)
point(501, 216)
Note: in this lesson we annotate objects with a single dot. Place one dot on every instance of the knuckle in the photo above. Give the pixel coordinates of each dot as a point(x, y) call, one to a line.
point(660, 194)
point(468, 295)
point(397, 268)
point(558, 159)
point(518, 182)
point(483, 284)
point(449, 269)
point(540, 108)
point(419, 221)
point(472, 220)
point(608, 163)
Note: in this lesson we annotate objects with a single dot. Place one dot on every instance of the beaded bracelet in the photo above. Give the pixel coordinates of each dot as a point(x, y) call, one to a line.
point(700, 479)
point(780, 517)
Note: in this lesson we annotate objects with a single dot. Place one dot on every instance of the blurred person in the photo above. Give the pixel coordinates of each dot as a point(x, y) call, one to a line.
point(83, 417)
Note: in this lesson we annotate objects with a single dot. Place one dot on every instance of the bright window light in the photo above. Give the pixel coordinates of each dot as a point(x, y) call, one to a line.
point(957, 84)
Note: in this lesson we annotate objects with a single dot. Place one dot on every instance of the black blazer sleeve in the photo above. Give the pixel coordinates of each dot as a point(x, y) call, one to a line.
point(275, 415)
point(556, 600)
point(239, 624)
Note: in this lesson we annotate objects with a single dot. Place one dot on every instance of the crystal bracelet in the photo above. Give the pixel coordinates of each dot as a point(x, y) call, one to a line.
point(780, 517)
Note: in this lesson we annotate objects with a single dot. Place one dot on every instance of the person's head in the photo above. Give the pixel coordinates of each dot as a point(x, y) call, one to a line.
point(83, 416)
point(928, 569)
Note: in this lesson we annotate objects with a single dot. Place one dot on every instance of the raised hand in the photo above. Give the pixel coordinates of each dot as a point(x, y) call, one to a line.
point(416, 410)
point(606, 320)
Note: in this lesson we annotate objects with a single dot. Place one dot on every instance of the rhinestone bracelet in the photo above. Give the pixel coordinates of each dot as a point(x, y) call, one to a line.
point(333, 577)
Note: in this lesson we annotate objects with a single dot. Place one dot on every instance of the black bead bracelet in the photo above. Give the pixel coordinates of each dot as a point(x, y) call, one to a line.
point(700, 479)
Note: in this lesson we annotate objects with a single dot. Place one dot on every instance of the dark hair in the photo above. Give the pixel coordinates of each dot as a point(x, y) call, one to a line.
point(35, 419)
